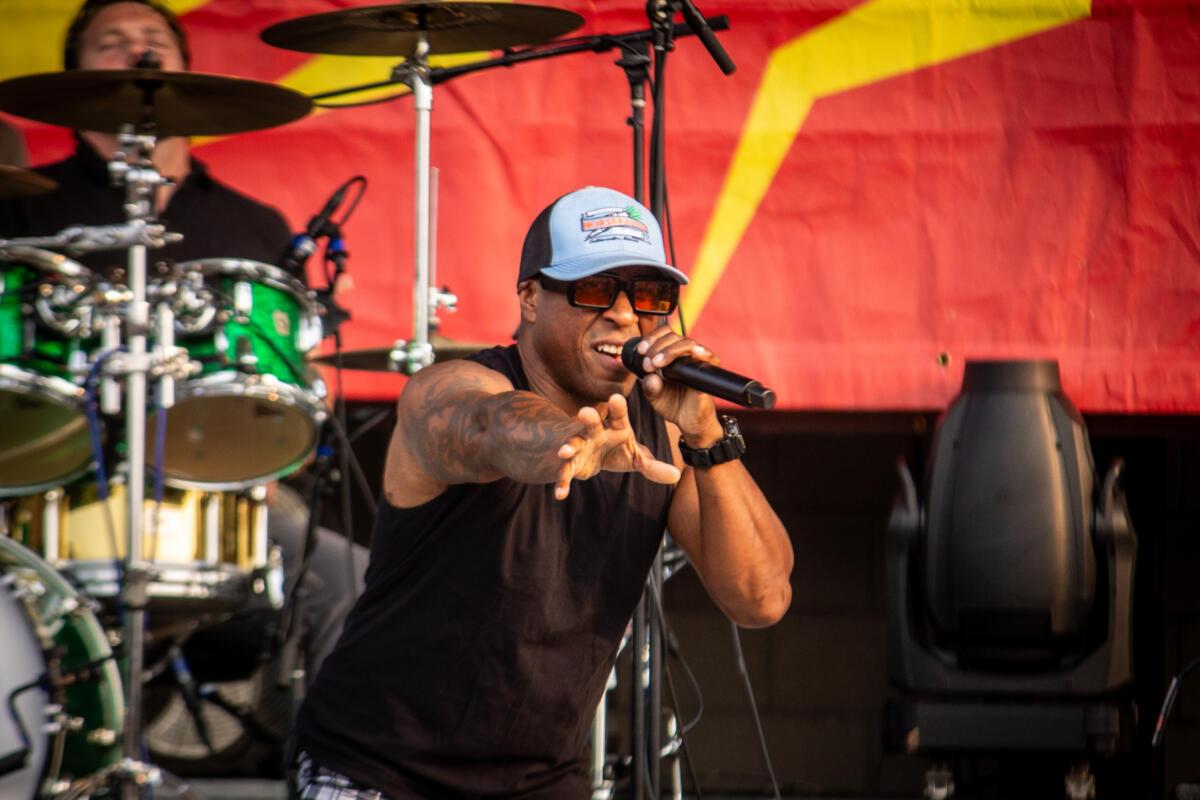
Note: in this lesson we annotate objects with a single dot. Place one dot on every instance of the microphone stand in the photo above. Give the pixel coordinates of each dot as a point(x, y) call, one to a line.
point(595, 44)
point(643, 769)
point(648, 750)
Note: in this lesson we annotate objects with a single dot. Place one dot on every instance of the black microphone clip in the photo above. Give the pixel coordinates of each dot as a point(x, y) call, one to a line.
point(304, 244)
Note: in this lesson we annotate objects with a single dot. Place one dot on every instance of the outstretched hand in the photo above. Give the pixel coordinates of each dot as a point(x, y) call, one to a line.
point(610, 447)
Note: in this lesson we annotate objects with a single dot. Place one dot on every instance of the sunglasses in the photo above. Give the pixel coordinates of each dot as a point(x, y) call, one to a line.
point(647, 295)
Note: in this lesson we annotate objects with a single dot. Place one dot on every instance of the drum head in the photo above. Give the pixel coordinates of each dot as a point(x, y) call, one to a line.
point(230, 441)
point(44, 435)
point(21, 662)
point(50, 616)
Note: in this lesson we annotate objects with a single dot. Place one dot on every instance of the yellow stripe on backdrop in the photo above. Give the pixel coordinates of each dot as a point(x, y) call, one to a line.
point(32, 31)
point(877, 40)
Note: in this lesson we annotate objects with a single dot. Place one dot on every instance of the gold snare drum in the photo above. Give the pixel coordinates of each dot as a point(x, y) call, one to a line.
point(207, 551)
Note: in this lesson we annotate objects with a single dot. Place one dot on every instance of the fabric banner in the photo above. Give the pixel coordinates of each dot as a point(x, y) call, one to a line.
point(882, 191)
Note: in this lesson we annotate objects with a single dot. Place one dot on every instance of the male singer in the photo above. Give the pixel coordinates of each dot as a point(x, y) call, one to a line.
point(527, 489)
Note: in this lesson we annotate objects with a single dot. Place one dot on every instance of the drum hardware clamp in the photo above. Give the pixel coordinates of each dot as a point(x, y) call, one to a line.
point(93, 238)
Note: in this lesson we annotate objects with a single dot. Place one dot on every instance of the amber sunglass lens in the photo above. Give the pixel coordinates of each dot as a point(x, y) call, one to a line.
point(655, 297)
point(598, 291)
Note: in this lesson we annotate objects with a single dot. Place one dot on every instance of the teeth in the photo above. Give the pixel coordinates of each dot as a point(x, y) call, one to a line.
point(609, 349)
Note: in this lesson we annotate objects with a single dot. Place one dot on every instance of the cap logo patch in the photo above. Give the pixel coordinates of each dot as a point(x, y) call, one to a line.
point(605, 224)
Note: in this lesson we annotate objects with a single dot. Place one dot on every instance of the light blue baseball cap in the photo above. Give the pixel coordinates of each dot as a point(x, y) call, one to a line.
point(591, 230)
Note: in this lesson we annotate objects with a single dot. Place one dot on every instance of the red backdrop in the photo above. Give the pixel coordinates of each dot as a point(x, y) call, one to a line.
point(1016, 181)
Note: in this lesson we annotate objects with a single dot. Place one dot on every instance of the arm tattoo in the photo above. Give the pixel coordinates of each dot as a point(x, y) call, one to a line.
point(461, 433)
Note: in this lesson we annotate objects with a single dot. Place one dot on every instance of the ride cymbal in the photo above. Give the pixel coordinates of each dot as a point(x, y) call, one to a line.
point(394, 30)
point(378, 359)
point(178, 103)
point(17, 182)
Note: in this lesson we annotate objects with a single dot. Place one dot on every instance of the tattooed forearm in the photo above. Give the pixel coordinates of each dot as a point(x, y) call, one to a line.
point(461, 433)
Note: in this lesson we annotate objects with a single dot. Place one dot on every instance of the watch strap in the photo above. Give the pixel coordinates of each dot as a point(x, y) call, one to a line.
point(730, 448)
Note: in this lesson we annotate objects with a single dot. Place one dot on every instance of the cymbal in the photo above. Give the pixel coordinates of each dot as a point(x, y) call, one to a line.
point(182, 103)
point(17, 182)
point(377, 359)
point(394, 30)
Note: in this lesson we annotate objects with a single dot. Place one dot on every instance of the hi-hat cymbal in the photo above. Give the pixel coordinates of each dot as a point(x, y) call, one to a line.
point(378, 359)
point(394, 30)
point(180, 103)
point(17, 182)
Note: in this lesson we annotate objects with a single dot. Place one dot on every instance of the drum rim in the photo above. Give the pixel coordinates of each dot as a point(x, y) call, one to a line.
point(57, 390)
point(230, 383)
point(269, 275)
point(176, 482)
point(257, 386)
point(197, 581)
point(17, 491)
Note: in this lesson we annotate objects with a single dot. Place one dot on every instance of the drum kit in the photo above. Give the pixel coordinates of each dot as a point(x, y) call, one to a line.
point(197, 380)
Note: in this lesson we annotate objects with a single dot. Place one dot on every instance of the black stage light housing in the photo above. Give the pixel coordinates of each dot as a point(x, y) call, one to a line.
point(1010, 577)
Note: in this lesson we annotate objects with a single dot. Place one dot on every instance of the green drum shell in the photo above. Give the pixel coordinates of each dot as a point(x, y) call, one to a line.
point(97, 699)
point(253, 411)
point(43, 431)
point(271, 329)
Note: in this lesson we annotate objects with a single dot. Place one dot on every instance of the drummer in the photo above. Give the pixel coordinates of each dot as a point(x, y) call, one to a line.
point(216, 221)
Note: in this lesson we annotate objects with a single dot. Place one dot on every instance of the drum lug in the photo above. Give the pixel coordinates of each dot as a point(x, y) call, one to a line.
point(270, 582)
point(105, 737)
point(247, 361)
point(57, 788)
point(57, 721)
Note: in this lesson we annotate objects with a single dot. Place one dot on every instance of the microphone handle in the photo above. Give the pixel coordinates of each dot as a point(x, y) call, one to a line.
point(719, 383)
point(703, 377)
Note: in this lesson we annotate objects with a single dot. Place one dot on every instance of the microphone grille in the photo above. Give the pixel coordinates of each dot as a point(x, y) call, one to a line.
point(630, 357)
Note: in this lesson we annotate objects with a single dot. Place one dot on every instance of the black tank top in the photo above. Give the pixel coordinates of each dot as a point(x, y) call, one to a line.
point(475, 657)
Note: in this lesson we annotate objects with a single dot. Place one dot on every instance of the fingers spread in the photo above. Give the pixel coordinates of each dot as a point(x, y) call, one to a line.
point(562, 486)
point(618, 413)
point(593, 425)
point(655, 470)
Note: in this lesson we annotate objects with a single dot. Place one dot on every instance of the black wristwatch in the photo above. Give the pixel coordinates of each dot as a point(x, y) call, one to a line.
point(731, 448)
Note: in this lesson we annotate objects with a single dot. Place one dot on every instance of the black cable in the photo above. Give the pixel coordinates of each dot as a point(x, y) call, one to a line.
point(334, 230)
point(12, 761)
point(289, 612)
point(682, 730)
point(695, 684)
point(339, 416)
point(356, 469)
point(371, 422)
point(745, 673)
point(1169, 703)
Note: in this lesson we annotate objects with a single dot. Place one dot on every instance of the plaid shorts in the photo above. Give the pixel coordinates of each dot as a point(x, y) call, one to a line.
point(314, 782)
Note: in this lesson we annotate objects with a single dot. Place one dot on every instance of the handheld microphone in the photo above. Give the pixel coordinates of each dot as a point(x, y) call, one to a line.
point(703, 377)
point(304, 244)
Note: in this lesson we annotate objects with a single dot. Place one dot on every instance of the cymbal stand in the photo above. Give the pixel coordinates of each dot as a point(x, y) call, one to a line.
point(417, 352)
point(133, 168)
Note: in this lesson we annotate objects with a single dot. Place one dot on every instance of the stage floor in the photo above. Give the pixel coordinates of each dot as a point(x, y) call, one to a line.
point(243, 789)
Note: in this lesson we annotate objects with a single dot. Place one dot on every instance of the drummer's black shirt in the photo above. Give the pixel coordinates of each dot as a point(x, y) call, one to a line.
point(216, 221)
point(473, 662)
